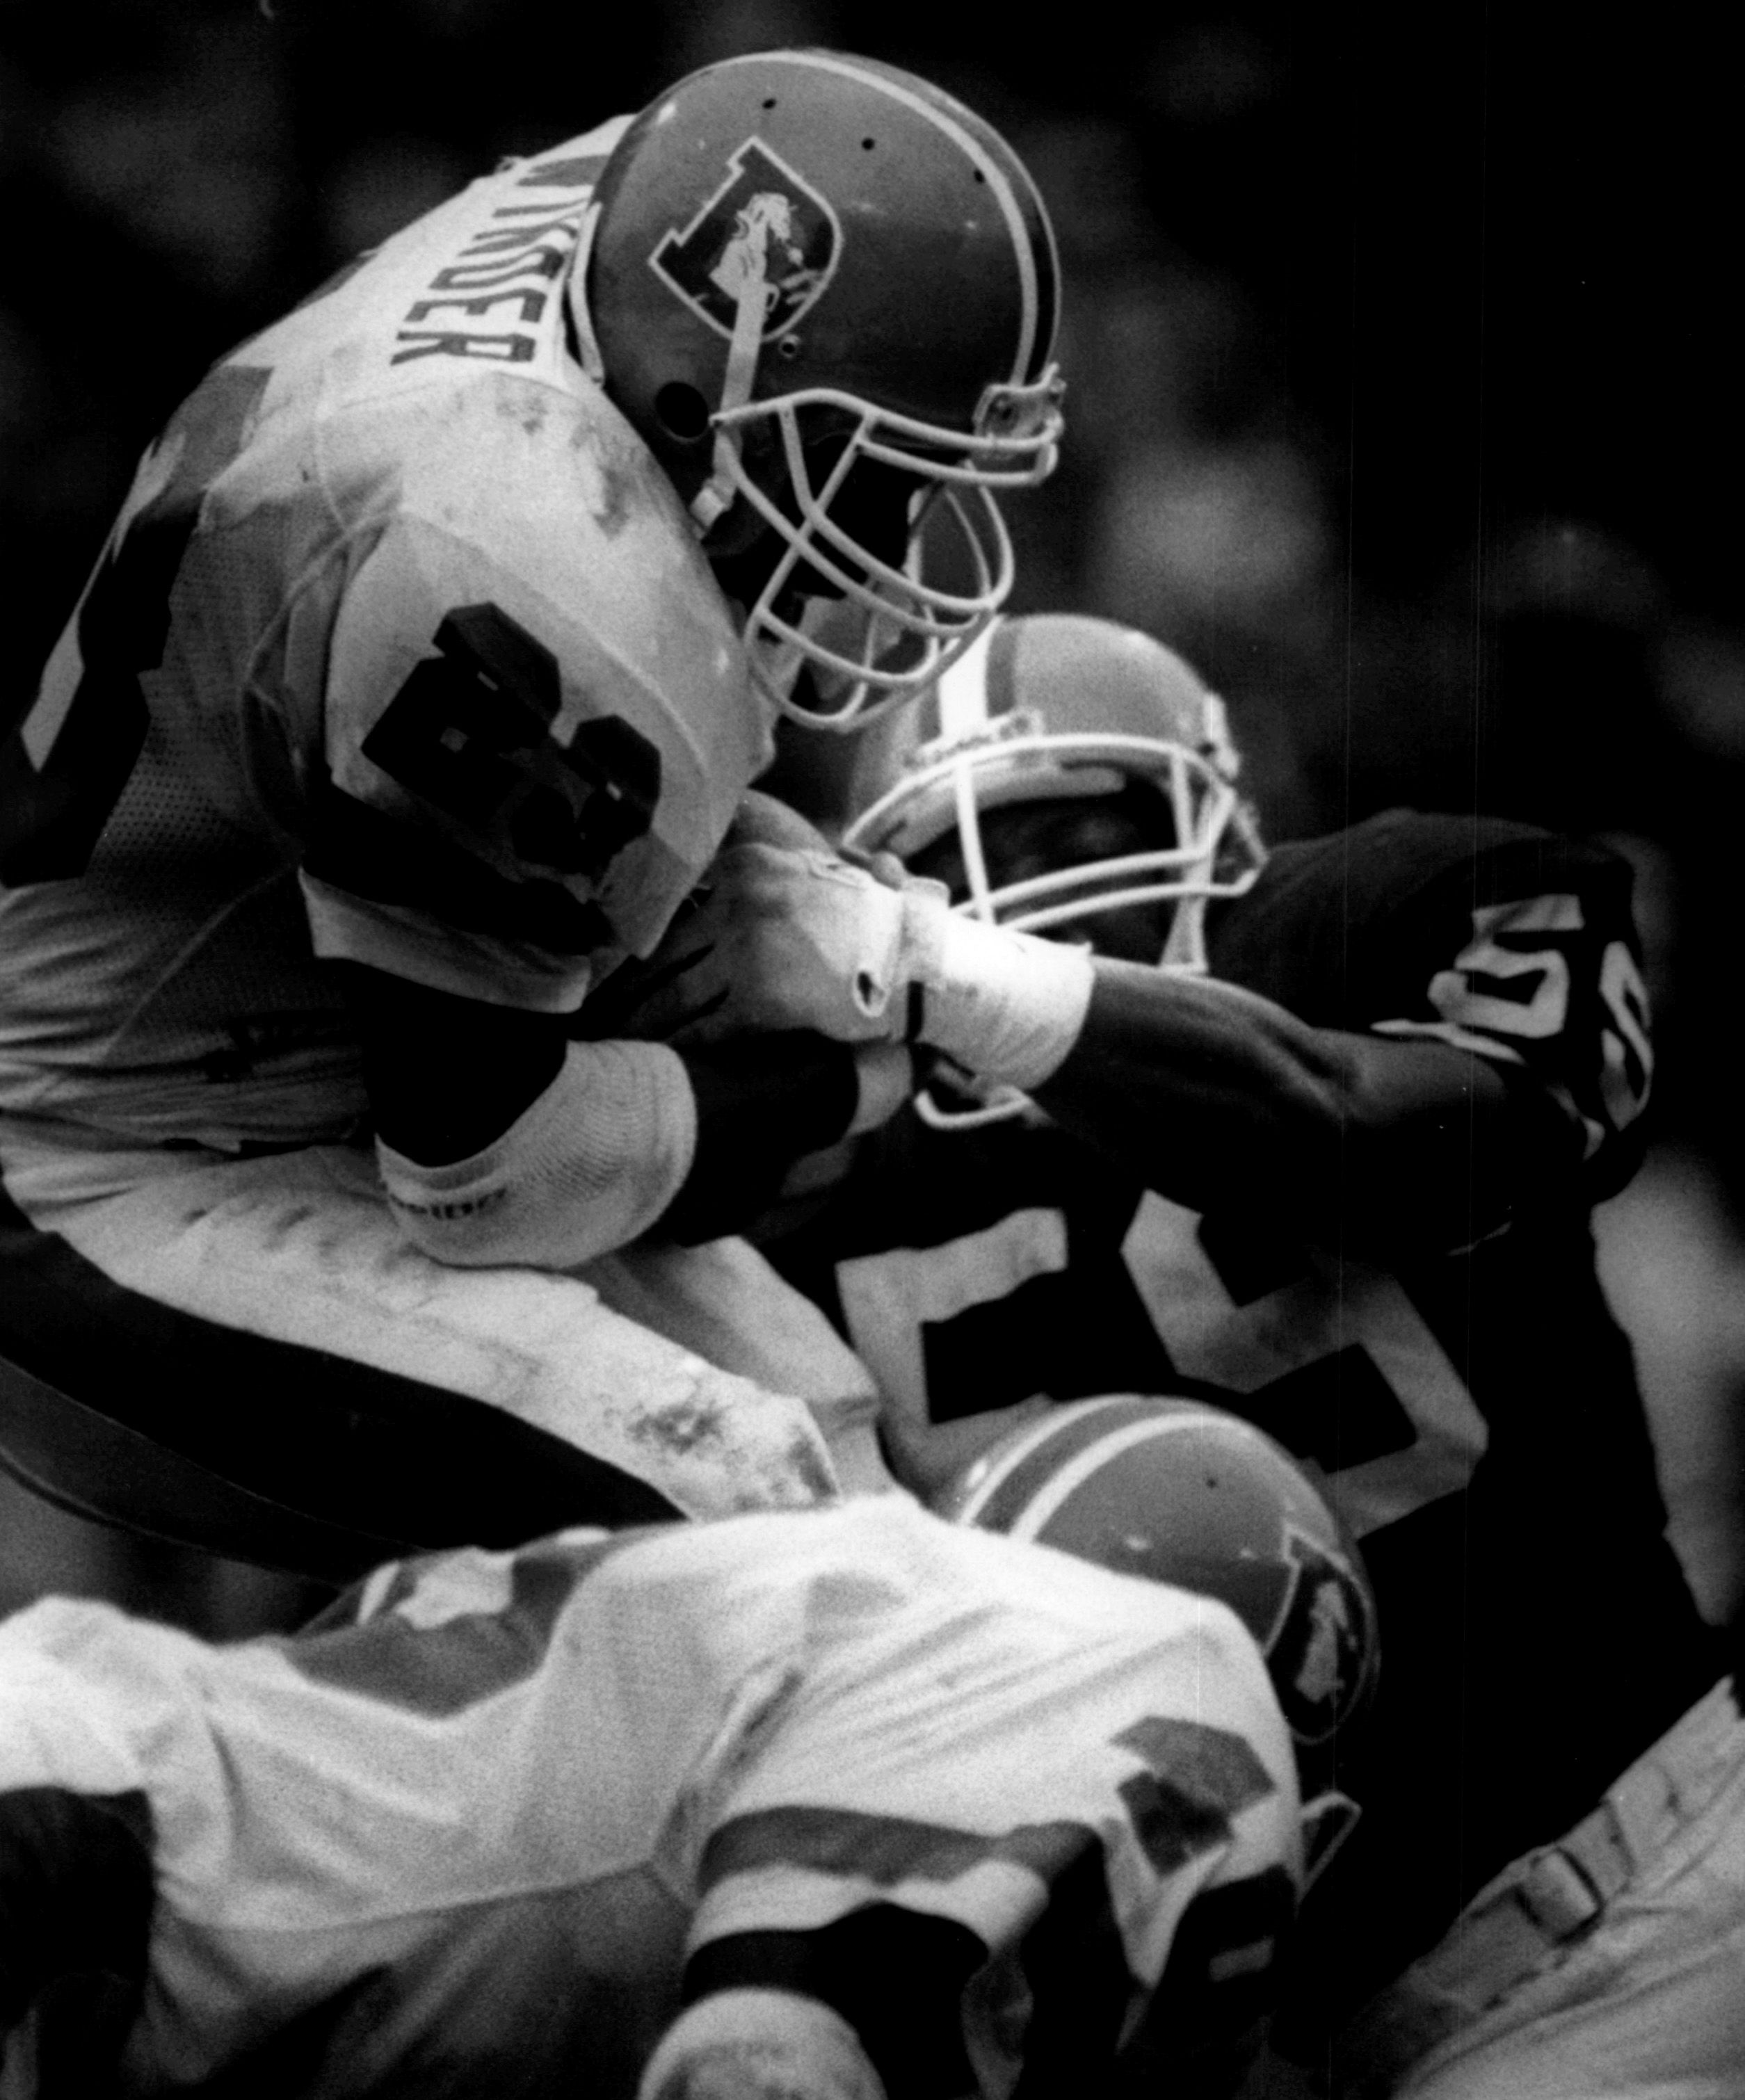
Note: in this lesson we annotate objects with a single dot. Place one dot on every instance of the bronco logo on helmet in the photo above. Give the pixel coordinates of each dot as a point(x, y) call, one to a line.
point(1321, 1637)
point(1180, 1493)
point(764, 227)
point(854, 361)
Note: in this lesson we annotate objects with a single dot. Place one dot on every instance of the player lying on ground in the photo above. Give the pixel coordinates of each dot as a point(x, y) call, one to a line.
point(1338, 1180)
point(823, 1805)
point(430, 657)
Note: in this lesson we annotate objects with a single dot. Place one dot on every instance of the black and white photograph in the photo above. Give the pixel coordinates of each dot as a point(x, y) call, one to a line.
point(872, 1182)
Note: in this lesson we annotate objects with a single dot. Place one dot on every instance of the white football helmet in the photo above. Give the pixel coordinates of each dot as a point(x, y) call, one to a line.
point(1052, 707)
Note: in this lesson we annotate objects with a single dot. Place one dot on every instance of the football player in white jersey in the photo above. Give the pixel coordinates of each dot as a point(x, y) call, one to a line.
point(835, 1804)
point(1322, 1149)
point(424, 672)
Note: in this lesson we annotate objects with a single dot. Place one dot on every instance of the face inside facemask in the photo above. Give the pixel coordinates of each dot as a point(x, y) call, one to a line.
point(1024, 841)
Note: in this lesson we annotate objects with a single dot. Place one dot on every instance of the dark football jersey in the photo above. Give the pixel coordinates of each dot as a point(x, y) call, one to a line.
point(1475, 1412)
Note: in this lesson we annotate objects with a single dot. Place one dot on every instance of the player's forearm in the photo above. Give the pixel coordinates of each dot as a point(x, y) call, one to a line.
point(588, 1165)
point(764, 1102)
point(1212, 1094)
point(630, 1139)
point(1217, 1096)
point(501, 1140)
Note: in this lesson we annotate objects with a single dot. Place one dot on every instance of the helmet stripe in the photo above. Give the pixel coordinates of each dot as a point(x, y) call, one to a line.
point(1006, 1500)
point(963, 695)
point(1072, 1476)
point(1001, 697)
point(1029, 333)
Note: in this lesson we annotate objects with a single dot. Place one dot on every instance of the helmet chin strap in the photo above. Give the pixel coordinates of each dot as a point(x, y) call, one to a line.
point(575, 300)
point(753, 295)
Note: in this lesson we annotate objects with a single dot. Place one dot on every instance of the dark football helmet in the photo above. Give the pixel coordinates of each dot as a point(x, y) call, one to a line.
point(1186, 1494)
point(824, 292)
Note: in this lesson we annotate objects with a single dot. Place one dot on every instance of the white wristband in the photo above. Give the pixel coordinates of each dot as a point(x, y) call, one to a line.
point(1005, 1006)
point(756, 2045)
point(588, 1166)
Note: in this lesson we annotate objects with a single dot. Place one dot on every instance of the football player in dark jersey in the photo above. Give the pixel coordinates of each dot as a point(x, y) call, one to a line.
point(1319, 1142)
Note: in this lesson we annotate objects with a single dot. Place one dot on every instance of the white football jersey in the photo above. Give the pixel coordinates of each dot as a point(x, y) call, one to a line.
point(402, 650)
point(468, 1844)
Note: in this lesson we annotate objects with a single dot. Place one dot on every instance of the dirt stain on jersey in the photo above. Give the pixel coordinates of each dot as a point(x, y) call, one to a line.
point(622, 480)
point(682, 1425)
point(811, 1471)
point(617, 497)
point(280, 1227)
point(526, 406)
point(752, 1475)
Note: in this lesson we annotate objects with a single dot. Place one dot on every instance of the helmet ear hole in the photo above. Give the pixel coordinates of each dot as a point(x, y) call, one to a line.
point(682, 412)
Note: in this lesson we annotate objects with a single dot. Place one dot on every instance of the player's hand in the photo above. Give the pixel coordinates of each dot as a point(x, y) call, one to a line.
point(799, 938)
point(680, 992)
point(693, 989)
point(650, 999)
point(762, 820)
point(774, 937)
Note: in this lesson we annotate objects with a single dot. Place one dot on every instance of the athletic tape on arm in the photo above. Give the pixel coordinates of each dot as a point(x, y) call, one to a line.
point(1007, 1006)
point(590, 1166)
